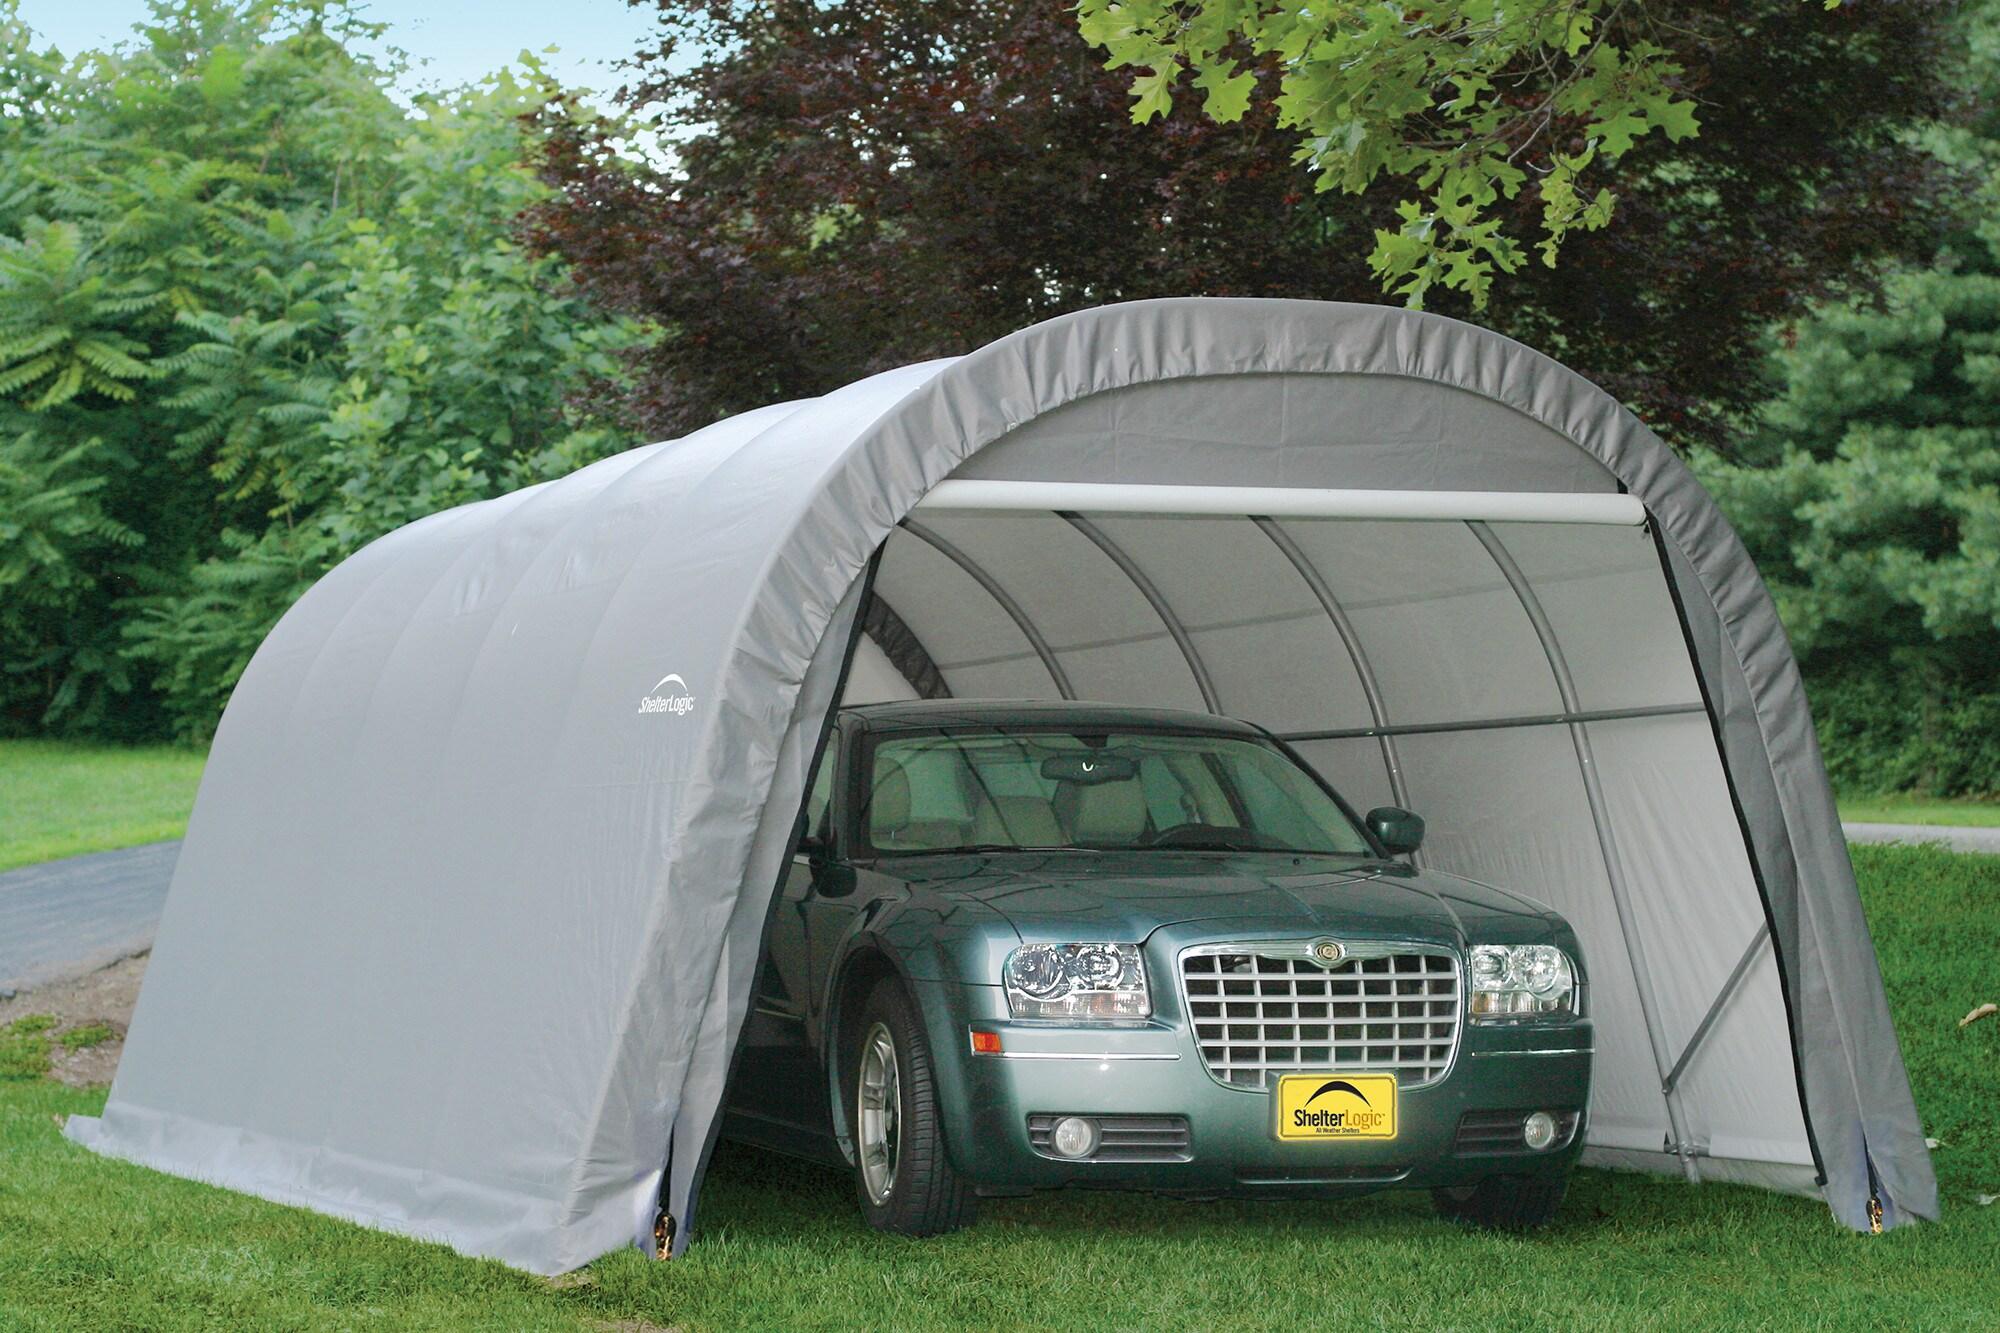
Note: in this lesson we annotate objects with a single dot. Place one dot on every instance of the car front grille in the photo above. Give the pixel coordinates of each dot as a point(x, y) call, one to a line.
point(1259, 1010)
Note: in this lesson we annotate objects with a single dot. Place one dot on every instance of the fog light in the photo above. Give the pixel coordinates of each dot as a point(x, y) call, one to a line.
point(1539, 1130)
point(1074, 1136)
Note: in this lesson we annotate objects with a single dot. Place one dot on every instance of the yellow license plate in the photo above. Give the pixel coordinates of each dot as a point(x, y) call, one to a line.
point(1337, 1106)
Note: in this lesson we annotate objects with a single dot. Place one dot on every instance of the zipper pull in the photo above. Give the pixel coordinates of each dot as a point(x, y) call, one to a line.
point(1874, 1195)
point(663, 1233)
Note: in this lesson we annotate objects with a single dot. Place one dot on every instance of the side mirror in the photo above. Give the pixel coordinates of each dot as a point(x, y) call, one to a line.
point(815, 847)
point(1397, 830)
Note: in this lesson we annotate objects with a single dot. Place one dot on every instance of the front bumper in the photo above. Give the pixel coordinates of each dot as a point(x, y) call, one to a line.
point(1155, 1069)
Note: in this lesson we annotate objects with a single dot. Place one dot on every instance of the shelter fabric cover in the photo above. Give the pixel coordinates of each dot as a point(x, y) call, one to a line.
point(463, 931)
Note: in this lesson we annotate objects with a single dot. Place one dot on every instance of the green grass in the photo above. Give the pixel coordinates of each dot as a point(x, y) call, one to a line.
point(85, 1036)
point(87, 1243)
point(24, 1047)
point(59, 798)
point(1920, 810)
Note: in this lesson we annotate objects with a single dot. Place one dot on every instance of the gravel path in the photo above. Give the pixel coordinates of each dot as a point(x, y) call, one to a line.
point(1958, 839)
point(70, 917)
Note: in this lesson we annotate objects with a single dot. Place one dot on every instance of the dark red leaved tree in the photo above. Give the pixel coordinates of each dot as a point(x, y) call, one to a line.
point(864, 183)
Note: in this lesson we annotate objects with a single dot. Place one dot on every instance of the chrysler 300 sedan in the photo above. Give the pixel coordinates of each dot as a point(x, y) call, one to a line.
point(1033, 945)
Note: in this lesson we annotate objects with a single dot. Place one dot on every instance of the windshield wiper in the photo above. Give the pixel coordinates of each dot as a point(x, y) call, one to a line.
point(1013, 847)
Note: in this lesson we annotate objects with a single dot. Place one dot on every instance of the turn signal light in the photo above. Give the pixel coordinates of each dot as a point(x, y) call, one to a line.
point(985, 1043)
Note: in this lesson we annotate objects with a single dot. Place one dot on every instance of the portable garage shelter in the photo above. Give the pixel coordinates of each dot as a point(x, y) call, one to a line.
point(466, 921)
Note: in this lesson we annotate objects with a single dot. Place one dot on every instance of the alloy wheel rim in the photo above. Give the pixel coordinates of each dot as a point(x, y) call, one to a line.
point(878, 1114)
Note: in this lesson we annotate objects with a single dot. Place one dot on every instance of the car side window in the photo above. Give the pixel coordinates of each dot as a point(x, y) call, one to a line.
point(819, 802)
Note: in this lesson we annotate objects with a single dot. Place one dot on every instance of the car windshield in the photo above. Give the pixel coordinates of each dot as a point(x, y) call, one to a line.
point(1039, 789)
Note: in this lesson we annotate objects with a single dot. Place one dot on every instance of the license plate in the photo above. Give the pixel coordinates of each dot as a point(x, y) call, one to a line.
point(1337, 1106)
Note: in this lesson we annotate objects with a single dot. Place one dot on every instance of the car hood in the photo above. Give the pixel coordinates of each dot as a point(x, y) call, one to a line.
point(1074, 895)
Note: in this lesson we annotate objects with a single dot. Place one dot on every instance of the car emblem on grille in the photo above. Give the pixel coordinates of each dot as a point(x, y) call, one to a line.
point(1328, 952)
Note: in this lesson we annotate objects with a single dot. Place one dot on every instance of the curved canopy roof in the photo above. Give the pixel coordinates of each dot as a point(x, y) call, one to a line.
point(464, 928)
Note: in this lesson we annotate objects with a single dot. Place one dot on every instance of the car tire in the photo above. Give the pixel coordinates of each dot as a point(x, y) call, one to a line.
point(1505, 1203)
point(889, 1063)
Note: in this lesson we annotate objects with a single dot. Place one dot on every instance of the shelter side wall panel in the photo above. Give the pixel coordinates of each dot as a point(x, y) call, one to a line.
point(1256, 626)
point(1508, 807)
point(1353, 767)
point(874, 679)
point(978, 648)
point(1446, 636)
point(1607, 601)
point(1698, 909)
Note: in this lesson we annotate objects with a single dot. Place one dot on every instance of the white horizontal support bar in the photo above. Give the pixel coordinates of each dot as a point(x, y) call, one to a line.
point(1094, 497)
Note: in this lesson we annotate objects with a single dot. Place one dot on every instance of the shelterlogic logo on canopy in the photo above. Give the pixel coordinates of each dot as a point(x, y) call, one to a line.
point(669, 696)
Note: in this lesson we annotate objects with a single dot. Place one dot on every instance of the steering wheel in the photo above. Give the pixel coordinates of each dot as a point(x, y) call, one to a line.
point(1213, 835)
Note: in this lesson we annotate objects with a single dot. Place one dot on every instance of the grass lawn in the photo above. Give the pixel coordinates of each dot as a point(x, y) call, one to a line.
point(59, 798)
point(1920, 810)
point(87, 1243)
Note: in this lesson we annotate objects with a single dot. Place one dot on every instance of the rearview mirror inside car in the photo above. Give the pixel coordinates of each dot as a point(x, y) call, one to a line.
point(1396, 829)
point(1089, 769)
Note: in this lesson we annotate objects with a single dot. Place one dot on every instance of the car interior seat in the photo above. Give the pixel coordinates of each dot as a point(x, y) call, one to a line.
point(1103, 813)
point(890, 825)
point(1024, 821)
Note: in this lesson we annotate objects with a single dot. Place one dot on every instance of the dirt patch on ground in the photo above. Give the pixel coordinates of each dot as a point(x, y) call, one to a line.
point(83, 1007)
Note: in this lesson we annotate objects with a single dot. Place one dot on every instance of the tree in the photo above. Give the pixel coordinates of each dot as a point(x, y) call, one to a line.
point(254, 312)
point(1869, 492)
point(858, 185)
point(1471, 101)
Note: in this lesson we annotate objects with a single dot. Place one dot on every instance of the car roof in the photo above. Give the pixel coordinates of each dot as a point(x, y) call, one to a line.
point(926, 713)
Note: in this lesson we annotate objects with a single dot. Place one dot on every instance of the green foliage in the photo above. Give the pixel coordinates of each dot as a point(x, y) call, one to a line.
point(62, 325)
point(1869, 493)
point(1469, 101)
point(59, 548)
point(1900, 724)
point(253, 313)
point(1871, 500)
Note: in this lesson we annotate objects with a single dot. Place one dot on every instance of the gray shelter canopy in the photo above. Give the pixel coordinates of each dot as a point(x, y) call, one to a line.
point(465, 925)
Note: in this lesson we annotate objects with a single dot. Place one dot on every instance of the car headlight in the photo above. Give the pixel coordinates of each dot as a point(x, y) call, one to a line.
point(1509, 980)
point(1080, 982)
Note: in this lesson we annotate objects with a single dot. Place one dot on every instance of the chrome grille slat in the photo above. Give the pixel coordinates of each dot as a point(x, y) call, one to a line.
point(1266, 1008)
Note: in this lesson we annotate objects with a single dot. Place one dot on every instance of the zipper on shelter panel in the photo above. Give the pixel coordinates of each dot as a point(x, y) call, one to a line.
point(1874, 1194)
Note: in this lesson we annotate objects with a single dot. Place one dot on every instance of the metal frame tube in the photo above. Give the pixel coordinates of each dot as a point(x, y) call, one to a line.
point(1494, 723)
point(1153, 598)
point(1349, 640)
point(1000, 595)
point(1099, 497)
point(1708, 1020)
point(1607, 842)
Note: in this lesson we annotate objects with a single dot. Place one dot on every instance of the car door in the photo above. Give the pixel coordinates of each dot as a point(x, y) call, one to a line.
point(778, 1079)
point(846, 899)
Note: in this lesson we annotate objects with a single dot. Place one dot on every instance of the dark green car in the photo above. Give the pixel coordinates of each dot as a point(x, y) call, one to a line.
point(1031, 945)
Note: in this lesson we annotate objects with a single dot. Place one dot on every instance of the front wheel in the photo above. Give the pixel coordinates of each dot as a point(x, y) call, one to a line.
point(902, 1176)
point(1505, 1203)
